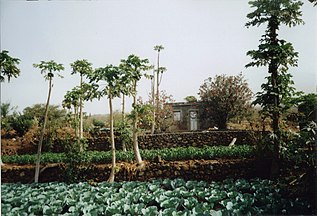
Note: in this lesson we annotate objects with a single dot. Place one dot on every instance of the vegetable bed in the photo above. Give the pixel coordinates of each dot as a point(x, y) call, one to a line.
point(206, 153)
point(158, 197)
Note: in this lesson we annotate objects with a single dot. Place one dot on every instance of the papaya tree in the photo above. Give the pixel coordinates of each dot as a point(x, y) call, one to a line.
point(8, 66)
point(278, 55)
point(72, 100)
point(159, 71)
point(48, 68)
point(109, 82)
point(83, 68)
point(8, 69)
point(314, 2)
point(132, 68)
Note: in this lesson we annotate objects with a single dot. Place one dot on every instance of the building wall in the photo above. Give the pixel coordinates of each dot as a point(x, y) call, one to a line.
point(183, 117)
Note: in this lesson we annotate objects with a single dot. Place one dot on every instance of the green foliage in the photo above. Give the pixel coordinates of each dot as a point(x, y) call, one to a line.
point(124, 130)
point(223, 98)
point(74, 159)
point(275, 53)
point(6, 116)
point(98, 123)
point(286, 12)
point(266, 97)
point(56, 119)
point(20, 123)
point(164, 114)
point(37, 111)
point(300, 149)
point(278, 55)
point(307, 109)
point(72, 98)
point(83, 67)
point(48, 68)
point(314, 2)
point(112, 77)
point(158, 48)
point(190, 99)
point(144, 113)
point(6, 108)
point(158, 197)
point(206, 153)
point(8, 66)
point(132, 68)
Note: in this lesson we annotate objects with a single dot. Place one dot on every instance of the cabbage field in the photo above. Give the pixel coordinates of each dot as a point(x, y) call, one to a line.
point(157, 197)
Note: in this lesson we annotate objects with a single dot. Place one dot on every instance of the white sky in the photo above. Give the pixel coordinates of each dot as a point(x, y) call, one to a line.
point(202, 38)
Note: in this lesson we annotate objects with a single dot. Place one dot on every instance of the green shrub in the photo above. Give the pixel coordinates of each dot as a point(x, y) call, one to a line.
point(20, 123)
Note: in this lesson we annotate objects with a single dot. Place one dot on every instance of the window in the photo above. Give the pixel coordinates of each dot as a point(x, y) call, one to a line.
point(177, 115)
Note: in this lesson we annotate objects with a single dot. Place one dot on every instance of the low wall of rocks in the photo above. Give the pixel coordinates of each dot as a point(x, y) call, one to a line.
point(100, 141)
point(196, 139)
point(207, 170)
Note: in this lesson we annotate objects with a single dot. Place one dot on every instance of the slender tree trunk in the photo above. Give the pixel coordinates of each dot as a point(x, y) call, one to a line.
point(157, 88)
point(39, 149)
point(124, 147)
point(81, 115)
point(153, 102)
point(273, 70)
point(76, 122)
point(1, 163)
point(113, 146)
point(135, 132)
point(123, 107)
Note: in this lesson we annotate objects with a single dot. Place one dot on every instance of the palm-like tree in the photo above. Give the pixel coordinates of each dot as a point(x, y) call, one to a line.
point(159, 72)
point(110, 83)
point(83, 67)
point(133, 67)
point(48, 69)
point(278, 55)
point(8, 66)
point(8, 69)
point(72, 100)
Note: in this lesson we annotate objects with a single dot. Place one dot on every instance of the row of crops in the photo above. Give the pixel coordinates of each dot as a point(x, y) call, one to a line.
point(172, 154)
point(158, 197)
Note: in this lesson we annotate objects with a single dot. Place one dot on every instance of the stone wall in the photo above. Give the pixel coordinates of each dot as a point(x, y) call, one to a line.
point(184, 139)
point(100, 141)
point(207, 170)
point(196, 139)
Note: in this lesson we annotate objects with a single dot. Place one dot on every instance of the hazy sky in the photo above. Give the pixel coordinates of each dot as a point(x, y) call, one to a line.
point(202, 38)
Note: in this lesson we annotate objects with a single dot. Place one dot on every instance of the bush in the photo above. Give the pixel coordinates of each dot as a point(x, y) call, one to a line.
point(301, 147)
point(75, 159)
point(21, 123)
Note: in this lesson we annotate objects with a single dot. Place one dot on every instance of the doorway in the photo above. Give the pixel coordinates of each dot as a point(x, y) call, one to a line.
point(193, 120)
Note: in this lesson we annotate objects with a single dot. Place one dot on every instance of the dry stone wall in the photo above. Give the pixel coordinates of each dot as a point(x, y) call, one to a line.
point(196, 139)
point(207, 170)
point(100, 141)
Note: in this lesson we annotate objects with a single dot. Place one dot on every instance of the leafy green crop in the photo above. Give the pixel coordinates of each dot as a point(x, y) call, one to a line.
point(171, 154)
point(159, 197)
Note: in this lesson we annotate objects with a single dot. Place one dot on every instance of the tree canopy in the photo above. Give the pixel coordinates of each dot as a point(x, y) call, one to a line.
point(8, 66)
point(223, 98)
point(278, 55)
